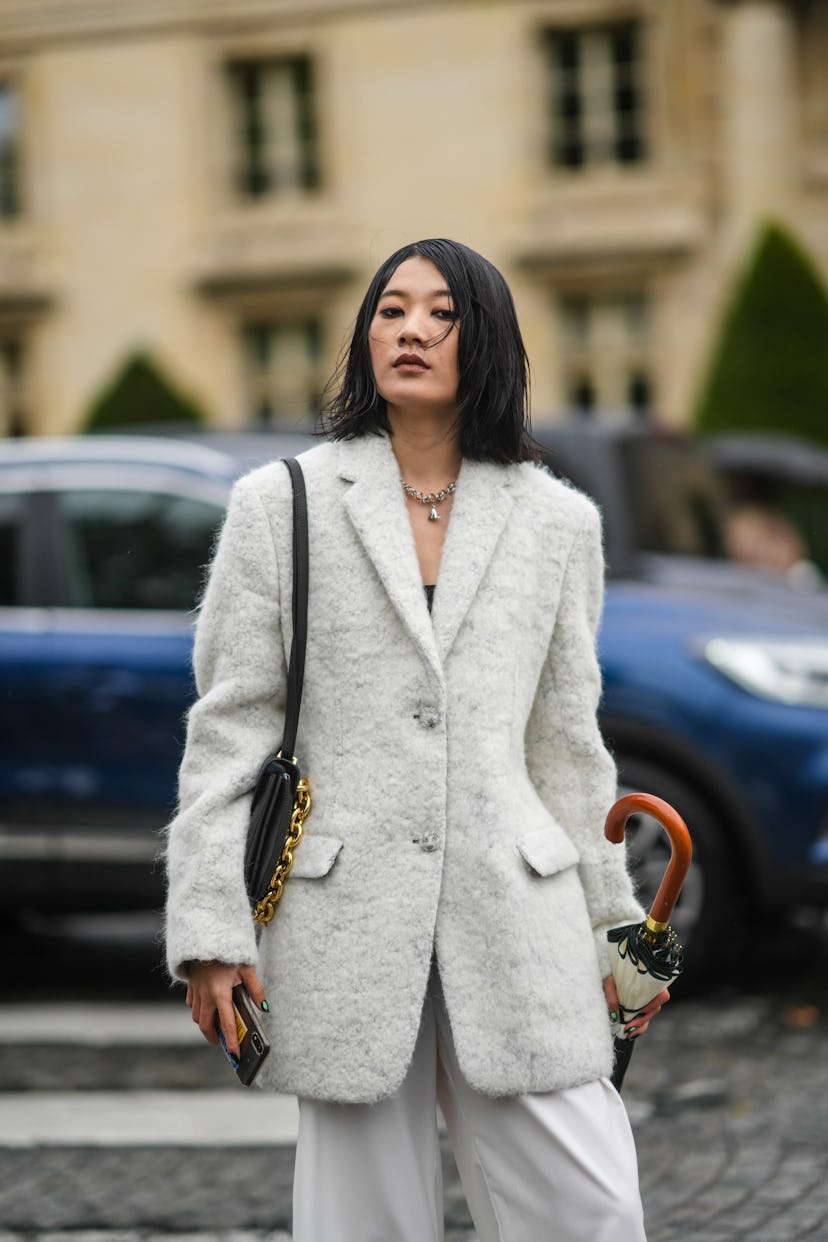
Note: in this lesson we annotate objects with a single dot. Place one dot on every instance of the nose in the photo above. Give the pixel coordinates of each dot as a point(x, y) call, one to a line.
point(411, 329)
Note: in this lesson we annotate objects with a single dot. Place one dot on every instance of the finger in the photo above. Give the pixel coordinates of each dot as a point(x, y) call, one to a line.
point(639, 1023)
point(611, 997)
point(255, 987)
point(652, 1007)
point(225, 1016)
point(207, 1025)
point(204, 1015)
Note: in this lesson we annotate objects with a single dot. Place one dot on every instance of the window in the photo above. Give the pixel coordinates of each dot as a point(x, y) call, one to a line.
point(12, 397)
point(606, 352)
point(273, 126)
point(777, 521)
point(135, 549)
point(282, 370)
point(677, 506)
point(10, 509)
point(596, 96)
point(9, 152)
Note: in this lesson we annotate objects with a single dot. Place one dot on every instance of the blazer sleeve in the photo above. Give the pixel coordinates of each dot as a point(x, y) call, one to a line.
point(568, 762)
point(240, 673)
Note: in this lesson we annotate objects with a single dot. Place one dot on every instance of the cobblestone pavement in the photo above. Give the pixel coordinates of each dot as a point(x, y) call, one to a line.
point(726, 1096)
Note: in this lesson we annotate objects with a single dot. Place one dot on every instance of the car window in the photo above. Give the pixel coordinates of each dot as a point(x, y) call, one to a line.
point(677, 504)
point(790, 517)
point(136, 549)
point(10, 510)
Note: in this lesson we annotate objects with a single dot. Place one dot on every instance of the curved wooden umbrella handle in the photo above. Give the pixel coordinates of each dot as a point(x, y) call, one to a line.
point(681, 846)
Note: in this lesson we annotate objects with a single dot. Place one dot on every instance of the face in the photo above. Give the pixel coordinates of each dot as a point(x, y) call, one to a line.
point(413, 341)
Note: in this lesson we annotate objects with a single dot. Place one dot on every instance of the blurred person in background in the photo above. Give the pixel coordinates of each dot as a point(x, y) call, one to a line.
point(442, 938)
point(758, 536)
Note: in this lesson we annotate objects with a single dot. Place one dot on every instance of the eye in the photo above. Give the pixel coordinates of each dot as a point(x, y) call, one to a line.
point(389, 312)
point(449, 316)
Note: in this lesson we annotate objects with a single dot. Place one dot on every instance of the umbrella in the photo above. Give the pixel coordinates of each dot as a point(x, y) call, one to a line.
point(648, 957)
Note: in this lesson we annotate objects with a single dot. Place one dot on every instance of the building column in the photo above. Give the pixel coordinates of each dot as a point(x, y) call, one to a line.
point(760, 113)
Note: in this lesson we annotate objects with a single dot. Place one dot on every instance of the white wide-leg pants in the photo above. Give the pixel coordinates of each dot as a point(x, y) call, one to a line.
point(559, 1167)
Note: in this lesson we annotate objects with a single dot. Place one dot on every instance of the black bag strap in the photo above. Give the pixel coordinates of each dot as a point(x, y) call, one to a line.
point(296, 667)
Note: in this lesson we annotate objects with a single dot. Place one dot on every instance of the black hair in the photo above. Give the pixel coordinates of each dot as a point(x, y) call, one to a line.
point(493, 386)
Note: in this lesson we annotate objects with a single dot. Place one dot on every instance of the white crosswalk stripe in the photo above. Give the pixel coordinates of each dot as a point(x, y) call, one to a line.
point(142, 1235)
point(232, 1117)
point(103, 1024)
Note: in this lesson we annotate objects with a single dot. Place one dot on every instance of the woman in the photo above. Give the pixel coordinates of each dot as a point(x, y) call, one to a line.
point(443, 932)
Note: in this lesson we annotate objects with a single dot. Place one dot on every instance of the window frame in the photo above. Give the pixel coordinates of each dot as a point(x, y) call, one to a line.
point(580, 28)
point(11, 78)
point(312, 181)
point(812, 54)
point(314, 326)
point(602, 295)
point(15, 420)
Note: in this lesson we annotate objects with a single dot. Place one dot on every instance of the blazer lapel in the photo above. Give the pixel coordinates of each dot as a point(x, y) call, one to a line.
point(482, 504)
point(376, 507)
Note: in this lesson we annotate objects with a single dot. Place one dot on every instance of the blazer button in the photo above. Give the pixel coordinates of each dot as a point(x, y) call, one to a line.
point(428, 716)
point(428, 842)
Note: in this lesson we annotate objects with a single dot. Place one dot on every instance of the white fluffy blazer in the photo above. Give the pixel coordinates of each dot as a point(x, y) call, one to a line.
point(460, 783)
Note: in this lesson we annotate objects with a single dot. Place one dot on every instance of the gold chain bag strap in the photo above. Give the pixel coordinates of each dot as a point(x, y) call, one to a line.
point(265, 907)
point(281, 799)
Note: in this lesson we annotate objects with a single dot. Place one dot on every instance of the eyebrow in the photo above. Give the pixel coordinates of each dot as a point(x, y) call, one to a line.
point(401, 293)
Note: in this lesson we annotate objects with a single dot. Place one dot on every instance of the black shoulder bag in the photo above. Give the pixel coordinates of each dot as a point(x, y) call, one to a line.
point(281, 796)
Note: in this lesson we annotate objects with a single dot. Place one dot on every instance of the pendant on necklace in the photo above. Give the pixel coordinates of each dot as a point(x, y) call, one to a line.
point(434, 516)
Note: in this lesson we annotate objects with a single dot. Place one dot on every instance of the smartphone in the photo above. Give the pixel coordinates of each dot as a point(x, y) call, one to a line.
point(253, 1043)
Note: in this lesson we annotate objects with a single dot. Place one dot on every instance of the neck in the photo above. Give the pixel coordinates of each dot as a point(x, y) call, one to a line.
point(427, 453)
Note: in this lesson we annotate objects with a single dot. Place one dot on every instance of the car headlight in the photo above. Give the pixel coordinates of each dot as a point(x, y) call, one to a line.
point(794, 672)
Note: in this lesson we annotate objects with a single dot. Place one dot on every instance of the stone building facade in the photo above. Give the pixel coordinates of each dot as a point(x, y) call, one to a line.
point(212, 182)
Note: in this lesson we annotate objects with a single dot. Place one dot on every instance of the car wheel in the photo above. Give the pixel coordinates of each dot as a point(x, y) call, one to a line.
point(706, 902)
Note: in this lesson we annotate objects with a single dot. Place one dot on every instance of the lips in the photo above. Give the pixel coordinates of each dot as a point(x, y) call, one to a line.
point(406, 361)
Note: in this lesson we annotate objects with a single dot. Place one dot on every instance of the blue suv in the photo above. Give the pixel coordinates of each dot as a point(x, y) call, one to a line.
point(716, 677)
point(715, 681)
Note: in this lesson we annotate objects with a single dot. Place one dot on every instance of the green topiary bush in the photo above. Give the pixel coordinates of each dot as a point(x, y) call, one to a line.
point(770, 366)
point(140, 394)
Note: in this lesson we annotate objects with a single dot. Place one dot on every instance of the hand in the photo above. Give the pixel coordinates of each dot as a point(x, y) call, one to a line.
point(638, 1024)
point(210, 993)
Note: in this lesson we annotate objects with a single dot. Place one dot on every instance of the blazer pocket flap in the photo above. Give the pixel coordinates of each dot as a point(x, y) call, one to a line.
point(547, 851)
point(314, 856)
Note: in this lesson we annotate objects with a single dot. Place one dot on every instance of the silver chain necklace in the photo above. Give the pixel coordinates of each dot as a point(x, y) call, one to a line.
point(433, 498)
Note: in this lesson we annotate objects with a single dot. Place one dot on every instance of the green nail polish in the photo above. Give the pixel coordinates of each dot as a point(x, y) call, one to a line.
point(265, 1006)
point(613, 1015)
